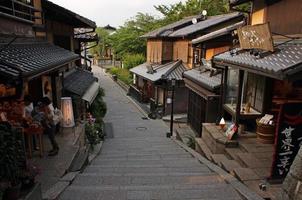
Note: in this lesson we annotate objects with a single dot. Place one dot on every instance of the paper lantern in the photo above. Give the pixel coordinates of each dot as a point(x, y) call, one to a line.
point(67, 111)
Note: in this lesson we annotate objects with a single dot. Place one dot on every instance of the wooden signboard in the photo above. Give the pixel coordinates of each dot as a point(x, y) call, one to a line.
point(256, 37)
point(288, 139)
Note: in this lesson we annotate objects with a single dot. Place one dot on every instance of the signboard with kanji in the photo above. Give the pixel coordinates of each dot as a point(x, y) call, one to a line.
point(289, 139)
point(256, 37)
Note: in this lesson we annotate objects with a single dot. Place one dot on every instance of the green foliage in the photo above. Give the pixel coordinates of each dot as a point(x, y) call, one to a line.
point(122, 74)
point(13, 159)
point(94, 127)
point(92, 134)
point(191, 141)
point(132, 60)
point(98, 108)
point(177, 11)
point(104, 41)
point(127, 39)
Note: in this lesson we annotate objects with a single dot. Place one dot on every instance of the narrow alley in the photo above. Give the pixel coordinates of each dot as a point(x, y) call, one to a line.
point(139, 162)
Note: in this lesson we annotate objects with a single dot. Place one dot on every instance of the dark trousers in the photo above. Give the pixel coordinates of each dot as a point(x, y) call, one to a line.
point(50, 131)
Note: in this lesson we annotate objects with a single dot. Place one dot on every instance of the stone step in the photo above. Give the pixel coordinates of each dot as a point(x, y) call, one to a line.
point(145, 157)
point(141, 164)
point(203, 148)
point(149, 169)
point(245, 174)
point(268, 194)
point(250, 161)
point(174, 192)
point(163, 162)
point(93, 179)
point(133, 174)
point(229, 165)
point(232, 152)
point(258, 147)
point(218, 158)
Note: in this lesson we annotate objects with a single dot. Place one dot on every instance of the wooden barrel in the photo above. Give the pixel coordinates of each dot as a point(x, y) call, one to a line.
point(265, 133)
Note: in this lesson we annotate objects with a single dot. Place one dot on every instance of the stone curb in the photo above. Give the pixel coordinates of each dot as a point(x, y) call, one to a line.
point(95, 152)
point(242, 189)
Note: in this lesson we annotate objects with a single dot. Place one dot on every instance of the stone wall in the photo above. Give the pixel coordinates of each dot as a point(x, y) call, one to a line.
point(292, 185)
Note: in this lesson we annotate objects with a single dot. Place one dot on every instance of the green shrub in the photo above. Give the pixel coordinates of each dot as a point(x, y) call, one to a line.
point(98, 108)
point(91, 134)
point(122, 74)
point(133, 60)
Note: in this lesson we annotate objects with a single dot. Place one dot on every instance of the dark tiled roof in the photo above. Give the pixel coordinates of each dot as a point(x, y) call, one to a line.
point(79, 81)
point(32, 57)
point(185, 26)
point(77, 20)
point(221, 32)
point(204, 78)
point(166, 71)
point(108, 27)
point(166, 30)
point(285, 62)
point(209, 22)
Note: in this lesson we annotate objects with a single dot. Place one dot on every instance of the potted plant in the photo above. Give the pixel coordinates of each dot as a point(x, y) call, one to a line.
point(11, 162)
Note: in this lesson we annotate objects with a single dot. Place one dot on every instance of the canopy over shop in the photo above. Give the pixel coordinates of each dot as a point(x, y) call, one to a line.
point(81, 85)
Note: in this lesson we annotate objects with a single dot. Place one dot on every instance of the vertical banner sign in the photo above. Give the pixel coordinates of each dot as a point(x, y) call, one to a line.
point(289, 139)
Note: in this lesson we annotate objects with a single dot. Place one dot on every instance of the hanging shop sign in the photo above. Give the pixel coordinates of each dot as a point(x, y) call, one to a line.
point(288, 139)
point(256, 37)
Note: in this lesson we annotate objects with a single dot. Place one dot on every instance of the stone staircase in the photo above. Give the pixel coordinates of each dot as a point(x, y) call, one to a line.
point(147, 169)
point(249, 162)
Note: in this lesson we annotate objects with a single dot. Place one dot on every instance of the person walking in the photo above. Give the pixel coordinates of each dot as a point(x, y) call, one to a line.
point(49, 126)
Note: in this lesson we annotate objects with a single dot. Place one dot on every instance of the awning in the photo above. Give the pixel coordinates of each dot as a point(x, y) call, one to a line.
point(204, 79)
point(91, 93)
point(155, 72)
point(218, 33)
point(78, 81)
point(32, 57)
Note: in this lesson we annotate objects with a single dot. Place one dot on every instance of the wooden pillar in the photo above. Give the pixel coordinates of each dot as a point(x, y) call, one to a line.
point(239, 96)
point(223, 89)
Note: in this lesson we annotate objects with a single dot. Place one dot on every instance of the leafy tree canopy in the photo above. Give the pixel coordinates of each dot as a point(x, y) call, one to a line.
point(127, 39)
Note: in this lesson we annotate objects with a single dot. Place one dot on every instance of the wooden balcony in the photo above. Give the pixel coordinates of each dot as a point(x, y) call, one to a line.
point(20, 10)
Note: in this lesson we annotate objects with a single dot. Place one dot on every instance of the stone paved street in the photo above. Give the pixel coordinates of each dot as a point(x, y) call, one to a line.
point(139, 162)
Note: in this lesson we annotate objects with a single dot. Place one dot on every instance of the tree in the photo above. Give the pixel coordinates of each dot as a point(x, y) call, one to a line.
point(177, 11)
point(127, 39)
point(103, 42)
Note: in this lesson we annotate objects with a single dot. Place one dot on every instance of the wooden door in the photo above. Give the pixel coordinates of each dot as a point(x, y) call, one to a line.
point(196, 111)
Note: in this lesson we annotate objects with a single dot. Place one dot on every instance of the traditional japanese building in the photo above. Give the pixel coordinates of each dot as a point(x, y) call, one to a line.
point(171, 45)
point(38, 46)
point(204, 81)
point(261, 94)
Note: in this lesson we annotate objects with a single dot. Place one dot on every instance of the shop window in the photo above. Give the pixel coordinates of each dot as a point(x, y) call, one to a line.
point(232, 87)
point(252, 94)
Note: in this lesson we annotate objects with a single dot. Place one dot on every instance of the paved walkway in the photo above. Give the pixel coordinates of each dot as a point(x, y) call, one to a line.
point(139, 162)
